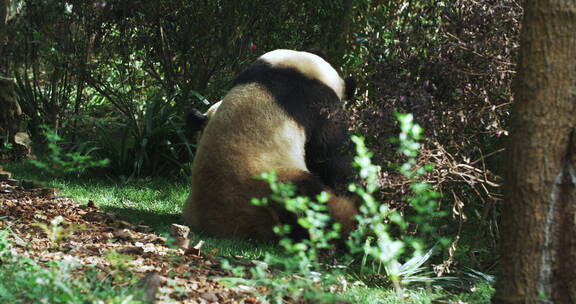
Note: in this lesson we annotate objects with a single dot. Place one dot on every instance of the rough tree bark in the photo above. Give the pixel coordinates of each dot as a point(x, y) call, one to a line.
point(4, 12)
point(10, 111)
point(4, 4)
point(538, 263)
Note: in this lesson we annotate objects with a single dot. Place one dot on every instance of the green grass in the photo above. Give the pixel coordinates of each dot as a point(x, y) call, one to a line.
point(388, 296)
point(480, 294)
point(153, 202)
point(157, 202)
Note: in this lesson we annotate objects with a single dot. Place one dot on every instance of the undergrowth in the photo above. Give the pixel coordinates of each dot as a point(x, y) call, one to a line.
point(23, 280)
point(58, 162)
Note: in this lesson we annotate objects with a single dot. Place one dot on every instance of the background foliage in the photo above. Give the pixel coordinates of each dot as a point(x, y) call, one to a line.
point(115, 77)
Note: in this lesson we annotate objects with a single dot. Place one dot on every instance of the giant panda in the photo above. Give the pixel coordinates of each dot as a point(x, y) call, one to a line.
point(283, 113)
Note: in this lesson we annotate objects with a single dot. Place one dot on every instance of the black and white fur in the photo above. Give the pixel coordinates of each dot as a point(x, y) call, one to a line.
point(284, 113)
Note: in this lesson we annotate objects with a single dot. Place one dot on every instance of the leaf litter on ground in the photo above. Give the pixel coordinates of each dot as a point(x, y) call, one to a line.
point(48, 228)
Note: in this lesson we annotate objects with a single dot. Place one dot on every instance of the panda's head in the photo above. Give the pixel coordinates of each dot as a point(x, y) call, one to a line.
point(196, 120)
point(312, 65)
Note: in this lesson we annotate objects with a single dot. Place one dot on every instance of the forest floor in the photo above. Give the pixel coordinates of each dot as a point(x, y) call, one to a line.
point(45, 228)
point(117, 259)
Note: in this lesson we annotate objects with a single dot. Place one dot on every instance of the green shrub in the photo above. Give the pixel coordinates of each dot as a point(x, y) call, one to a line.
point(5, 146)
point(151, 143)
point(58, 162)
point(376, 221)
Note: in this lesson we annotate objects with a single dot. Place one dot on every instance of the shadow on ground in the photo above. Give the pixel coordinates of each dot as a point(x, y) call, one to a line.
point(160, 223)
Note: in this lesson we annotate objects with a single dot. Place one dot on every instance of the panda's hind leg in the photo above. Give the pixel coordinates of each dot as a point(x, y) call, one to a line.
point(342, 209)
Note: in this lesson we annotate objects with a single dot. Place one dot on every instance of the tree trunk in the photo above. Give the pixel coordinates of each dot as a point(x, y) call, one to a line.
point(10, 111)
point(538, 261)
point(4, 5)
point(343, 37)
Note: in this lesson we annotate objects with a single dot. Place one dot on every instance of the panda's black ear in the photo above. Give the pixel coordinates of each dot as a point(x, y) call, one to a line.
point(195, 120)
point(350, 87)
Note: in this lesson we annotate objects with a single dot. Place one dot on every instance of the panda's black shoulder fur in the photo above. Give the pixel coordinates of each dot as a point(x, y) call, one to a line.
point(303, 98)
point(317, 108)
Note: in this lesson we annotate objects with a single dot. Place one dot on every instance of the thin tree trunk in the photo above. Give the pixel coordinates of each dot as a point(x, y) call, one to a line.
point(4, 12)
point(538, 261)
point(4, 5)
point(344, 30)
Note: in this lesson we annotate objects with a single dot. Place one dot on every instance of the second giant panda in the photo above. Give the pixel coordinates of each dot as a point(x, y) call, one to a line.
point(283, 113)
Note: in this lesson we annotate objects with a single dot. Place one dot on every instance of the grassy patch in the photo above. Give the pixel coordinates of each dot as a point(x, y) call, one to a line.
point(479, 294)
point(155, 202)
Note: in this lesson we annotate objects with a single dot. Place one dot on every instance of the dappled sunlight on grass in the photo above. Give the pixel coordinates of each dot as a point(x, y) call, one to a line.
point(154, 202)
